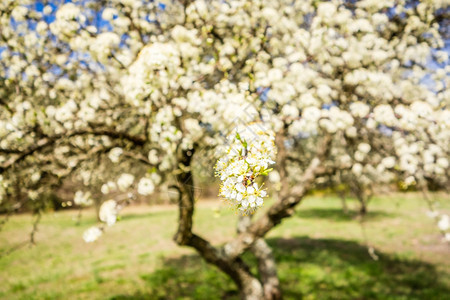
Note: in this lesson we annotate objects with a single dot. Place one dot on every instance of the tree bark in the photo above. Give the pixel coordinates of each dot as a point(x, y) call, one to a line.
point(249, 286)
point(359, 191)
point(362, 206)
point(266, 263)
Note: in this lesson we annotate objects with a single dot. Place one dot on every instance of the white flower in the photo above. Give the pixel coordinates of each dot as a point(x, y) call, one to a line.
point(115, 154)
point(351, 132)
point(289, 111)
point(109, 13)
point(326, 10)
point(108, 212)
point(274, 74)
point(125, 181)
point(421, 109)
point(83, 199)
point(444, 222)
point(274, 177)
point(388, 162)
point(103, 44)
point(48, 9)
point(447, 237)
point(239, 197)
point(324, 92)
point(19, 13)
point(357, 169)
point(181, 35)
point(364, 148)
point(108, 187)
point(385, 115)
point(153, 157)
point(442, 162)
point(194, 128)
point(410, 180)
point(92, 234)
point(35, 177)
point(240, 187)
point(359, 156)
point(259, 201)
point(155, 178)
point(146, 186)
point(250, 190)
point(359, 109)
point(41, 27)
point(33, 195)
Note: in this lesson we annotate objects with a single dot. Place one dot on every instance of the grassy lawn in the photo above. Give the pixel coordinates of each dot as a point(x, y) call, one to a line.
point(321, 254)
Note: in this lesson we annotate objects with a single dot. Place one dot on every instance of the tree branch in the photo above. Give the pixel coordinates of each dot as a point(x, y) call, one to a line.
point(51, 140)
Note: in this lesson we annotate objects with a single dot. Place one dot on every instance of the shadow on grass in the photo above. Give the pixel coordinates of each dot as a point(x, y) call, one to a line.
point(308, 268)
point(337, 214)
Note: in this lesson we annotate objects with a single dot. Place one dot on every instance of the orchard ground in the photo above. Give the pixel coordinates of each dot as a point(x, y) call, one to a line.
point(321, 254)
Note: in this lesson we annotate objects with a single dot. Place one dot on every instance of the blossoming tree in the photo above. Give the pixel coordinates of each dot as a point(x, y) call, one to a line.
point(128, 95)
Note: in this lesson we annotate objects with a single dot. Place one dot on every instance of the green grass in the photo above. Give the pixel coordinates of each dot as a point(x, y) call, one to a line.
point(321, 254)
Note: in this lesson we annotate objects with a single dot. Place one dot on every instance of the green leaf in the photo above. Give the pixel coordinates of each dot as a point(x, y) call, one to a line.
point(152, 170)
point(244, 143)
point(266, 172)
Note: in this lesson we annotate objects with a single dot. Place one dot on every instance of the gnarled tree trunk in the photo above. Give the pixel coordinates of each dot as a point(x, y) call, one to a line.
point(267, 268)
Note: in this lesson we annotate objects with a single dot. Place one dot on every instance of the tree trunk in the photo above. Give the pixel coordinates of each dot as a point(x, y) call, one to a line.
point(250, 288)
point(344, 202)
point(362, 207)
point(364, 199)
point(266, 264)
point(359, 192)
point(267, 270)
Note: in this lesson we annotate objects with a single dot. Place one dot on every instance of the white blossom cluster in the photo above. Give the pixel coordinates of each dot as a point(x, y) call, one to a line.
point(82, 198)
point(146, 186)
point(114, 154)
point(110, 209)
point(68, 21)
point(442, 222)
point(108, 213)
point(92, 234)
point(249, 154)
